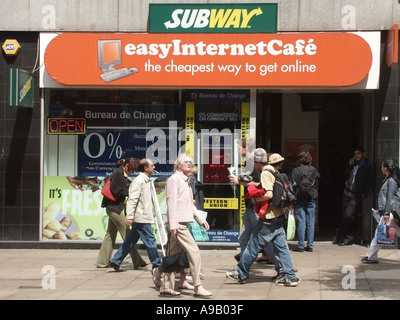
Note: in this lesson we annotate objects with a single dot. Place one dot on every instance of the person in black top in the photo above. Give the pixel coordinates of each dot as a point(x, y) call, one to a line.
point(197, 189)
point(357, 186)
point(116, 214)
point(306, 200)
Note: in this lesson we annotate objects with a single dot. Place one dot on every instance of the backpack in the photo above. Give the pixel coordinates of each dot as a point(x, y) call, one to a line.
point(304, 189)
point(283, 193)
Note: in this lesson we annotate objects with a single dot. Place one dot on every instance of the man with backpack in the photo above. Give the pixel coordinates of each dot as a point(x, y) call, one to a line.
point(268, 232)
point(304, 179)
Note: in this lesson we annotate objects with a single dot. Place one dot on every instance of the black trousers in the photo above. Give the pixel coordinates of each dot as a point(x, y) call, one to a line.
point(351, 205)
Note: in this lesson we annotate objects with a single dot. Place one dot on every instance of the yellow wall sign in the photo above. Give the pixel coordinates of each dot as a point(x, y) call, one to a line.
point(221, 203)
point(11, 47)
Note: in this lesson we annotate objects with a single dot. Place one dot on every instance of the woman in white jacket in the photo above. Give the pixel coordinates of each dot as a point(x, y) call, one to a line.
point(180, 211)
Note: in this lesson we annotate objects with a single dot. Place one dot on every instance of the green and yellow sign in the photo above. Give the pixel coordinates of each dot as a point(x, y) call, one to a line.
point(21, 88)
point(213, 18)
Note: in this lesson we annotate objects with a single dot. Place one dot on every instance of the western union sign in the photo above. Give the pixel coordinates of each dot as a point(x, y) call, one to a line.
point(221, 203)
point(213, 18)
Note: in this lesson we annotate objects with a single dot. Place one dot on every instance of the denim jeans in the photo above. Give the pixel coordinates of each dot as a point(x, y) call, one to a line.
point(262, 236)
point(145, 232)
point(305, 212)
point(250, 219)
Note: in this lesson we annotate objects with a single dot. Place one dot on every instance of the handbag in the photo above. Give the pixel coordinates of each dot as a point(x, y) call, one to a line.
point(291, 226)
point(175, 262)
point(106, 191)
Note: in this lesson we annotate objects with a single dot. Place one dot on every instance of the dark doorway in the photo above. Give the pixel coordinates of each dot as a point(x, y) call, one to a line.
point(340, 131)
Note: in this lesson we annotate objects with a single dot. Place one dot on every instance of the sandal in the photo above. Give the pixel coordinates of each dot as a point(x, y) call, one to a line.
point(169, 292)
point(186, 285)
point(203, 293)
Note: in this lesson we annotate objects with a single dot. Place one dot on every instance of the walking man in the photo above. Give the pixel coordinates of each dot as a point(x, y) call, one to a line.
point(140, 212)
point(267, 231)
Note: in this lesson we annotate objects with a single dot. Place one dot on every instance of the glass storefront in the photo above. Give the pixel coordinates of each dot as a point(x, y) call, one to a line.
point(87, 131)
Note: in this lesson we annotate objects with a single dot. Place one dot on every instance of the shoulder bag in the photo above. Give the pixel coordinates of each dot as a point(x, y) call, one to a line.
point(175, 262)
point(106, 191)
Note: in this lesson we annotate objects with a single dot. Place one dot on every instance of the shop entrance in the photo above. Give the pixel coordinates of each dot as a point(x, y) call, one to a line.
point(339, 121)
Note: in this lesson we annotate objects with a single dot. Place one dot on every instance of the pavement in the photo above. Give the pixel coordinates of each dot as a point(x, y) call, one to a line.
point(329, 272)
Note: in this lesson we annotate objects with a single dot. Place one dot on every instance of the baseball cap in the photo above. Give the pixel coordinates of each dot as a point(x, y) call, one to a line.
point(275, 158)
point(260, 155)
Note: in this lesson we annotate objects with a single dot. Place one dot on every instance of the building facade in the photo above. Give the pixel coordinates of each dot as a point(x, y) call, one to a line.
point(86, 83)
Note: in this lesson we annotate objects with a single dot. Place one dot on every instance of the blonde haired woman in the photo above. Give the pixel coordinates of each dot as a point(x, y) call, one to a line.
point(181, 211)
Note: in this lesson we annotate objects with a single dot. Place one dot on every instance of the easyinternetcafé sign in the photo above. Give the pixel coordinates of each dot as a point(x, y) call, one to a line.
point(334, 59)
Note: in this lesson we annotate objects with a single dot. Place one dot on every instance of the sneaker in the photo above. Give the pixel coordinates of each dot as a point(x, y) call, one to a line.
point(297, 249)
point(277, 277)
point(308, 249)
point(368, 261)
point(234, 276)
point(287, 283)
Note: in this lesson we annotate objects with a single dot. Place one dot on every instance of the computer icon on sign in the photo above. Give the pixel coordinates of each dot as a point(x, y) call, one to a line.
point(109, 55)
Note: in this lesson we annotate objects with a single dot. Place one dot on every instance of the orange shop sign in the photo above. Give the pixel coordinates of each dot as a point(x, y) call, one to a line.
point(334, 59)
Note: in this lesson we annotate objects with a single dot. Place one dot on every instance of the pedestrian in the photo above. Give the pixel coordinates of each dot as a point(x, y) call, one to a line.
point(357, 187)
point(115, 211)
point(198, 200)
point(181, 211)
point(197, 189)
point(388, 206)
point(248, 177)
point(268, 232)
point(140, 213)
point(304, 180)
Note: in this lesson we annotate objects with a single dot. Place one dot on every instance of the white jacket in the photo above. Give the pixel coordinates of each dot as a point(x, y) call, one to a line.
point(140, 204)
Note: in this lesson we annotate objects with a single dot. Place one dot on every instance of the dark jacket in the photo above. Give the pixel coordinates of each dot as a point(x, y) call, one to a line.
point(363, 181)
point(120, 188)
point(197, 189)
point(306, 171)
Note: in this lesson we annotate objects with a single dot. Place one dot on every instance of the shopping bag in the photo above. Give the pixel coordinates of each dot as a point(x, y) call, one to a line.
point(198, 232)
point(291, 226)
point(106, 191)
point(385, 234)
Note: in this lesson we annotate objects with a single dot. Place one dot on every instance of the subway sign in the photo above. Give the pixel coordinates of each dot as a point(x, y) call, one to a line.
point(213, 18)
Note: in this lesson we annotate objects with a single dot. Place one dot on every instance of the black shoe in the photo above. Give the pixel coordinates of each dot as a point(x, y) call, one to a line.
point(308, 249)
point(368, 261)
point(278, 276)
point(297, 249)
point(115, 266)
point(345, 243)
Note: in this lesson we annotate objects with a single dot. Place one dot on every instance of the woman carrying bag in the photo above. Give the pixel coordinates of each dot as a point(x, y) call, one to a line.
point(116, 214)
point(388, 199)
point(180, 212)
